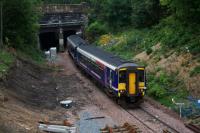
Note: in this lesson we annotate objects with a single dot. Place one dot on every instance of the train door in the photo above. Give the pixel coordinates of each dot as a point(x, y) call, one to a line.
point(122, 80)
point(132, 83)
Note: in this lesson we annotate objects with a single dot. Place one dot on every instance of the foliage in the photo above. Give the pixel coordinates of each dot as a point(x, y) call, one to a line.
point(21, 26)
point(195, 71)
point(118, 12)
point(174, 35)
point(145, 12)
point(20, 22)
point(95, 29)
point(149, 51)
point(6, 59)
point(186, 11)
point(31, 53)
point(63, 1)
point(105, 39)
point(165, 87)
point(126, 44)
point(124, 13)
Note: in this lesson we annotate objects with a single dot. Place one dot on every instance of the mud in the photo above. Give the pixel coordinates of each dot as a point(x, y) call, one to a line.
point(31, 85)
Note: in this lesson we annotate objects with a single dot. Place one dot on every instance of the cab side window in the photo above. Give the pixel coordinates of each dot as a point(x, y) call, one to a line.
point(141, 75)
point(122, 76)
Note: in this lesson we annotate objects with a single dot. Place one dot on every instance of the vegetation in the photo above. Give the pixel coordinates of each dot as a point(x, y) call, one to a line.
point(95, 30)
point(145, 12)
point(63, 1)
point(195, 71)
point(6, 60)
point(134, 26)
point(21, 26)
point(165, 87)
point(20, 23)
point(172, 23)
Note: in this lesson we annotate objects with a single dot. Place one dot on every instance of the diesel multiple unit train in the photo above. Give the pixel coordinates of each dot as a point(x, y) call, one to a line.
point(121, 78)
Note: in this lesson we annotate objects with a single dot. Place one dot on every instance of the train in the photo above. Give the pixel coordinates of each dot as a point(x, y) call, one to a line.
point(123, 79)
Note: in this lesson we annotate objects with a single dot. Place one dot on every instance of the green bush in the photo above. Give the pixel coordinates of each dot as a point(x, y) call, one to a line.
point(145, 12)
point(165, 87)
point(95, 29)
point(149, 51)
point(157, 91)
point(117, 13)
point(6, 60)
point(33, 53)
point(21, 22)
point(195, 71)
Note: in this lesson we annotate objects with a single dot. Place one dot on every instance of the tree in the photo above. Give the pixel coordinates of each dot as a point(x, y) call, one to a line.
point(118, 12)
point(21, 22)
point(187, 11)
point(145, 12)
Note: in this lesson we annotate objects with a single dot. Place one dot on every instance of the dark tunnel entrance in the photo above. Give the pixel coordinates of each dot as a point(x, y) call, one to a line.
point(48, 40)
point(66, 34)
point(51, 39)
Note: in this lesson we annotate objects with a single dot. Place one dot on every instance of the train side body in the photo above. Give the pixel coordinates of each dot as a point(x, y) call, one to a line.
point(73, 42)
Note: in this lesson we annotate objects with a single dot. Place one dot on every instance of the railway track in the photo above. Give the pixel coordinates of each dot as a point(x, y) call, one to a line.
point(150, 121)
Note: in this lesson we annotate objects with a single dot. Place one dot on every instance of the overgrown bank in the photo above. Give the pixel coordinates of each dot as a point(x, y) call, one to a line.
point(172, 59)
point(20, 28)
point(169, 47)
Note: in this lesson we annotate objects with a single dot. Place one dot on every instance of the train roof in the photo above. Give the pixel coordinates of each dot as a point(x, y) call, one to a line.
point(76, 40)
point(107, 58)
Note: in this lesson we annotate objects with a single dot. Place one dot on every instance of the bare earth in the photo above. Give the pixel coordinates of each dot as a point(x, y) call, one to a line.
point(33, 98)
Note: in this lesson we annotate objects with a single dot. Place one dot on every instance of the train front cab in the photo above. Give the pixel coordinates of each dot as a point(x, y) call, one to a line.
point(131, 83)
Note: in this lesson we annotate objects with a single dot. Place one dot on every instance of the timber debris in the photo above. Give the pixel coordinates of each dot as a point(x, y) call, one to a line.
point(126, 128)
point(57, 127)
point(194, 124)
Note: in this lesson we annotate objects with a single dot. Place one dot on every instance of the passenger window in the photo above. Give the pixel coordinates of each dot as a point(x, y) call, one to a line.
point(141, 75)
point(122, 76)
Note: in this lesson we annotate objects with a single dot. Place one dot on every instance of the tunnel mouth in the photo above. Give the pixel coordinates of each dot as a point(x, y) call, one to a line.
point(67, 33)
point(48, 40)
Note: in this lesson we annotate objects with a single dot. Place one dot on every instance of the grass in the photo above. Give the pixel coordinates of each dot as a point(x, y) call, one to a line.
point(6, 60)
point(33, 54)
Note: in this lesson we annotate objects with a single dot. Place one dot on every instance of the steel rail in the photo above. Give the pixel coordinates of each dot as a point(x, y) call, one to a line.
point(161, 121)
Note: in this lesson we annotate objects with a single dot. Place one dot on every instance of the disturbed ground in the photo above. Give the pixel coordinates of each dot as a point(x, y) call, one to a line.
point(33, 94)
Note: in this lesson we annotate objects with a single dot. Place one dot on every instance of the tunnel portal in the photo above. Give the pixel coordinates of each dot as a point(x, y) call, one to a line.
point(52, 38)
point(60, 21)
